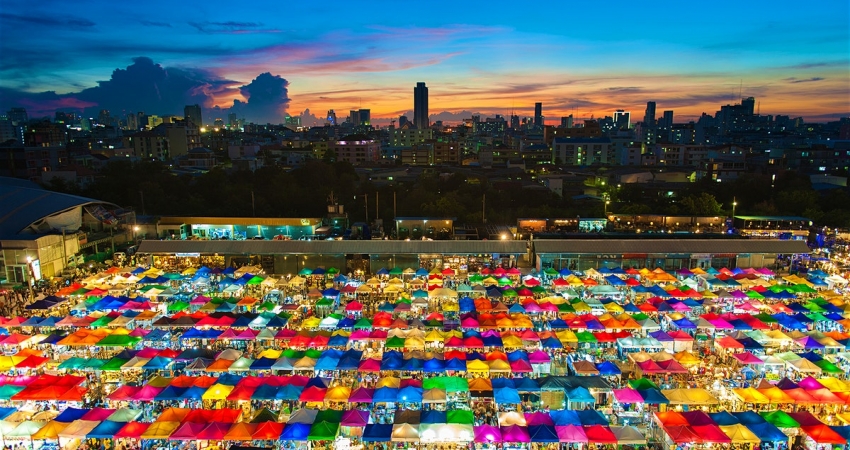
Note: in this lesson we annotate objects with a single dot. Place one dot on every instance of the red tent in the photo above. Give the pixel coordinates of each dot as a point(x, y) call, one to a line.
point(711, 434)
point(268, 431)
point(823, 434)
point(598, 434)
point(682, 434)
point(124, 393)
point(132, 430)
point(215, 431)
point(313, 394)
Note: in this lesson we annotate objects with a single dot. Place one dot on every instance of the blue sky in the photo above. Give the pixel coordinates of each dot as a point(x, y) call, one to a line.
point(577, 58)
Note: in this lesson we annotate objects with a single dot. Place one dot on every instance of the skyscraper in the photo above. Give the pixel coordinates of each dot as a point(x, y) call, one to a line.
point(192, 113)
point(420, 106)
point(622, 119)
point(538, 114)
point(649, 115)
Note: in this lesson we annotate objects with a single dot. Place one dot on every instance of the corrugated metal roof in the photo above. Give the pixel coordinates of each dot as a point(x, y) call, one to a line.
point(334, 247)
point(681, 246)
point(245, 221)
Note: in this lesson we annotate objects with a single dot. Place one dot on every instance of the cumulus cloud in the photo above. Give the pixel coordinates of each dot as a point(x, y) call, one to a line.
point(154, 89)
point(267, 99)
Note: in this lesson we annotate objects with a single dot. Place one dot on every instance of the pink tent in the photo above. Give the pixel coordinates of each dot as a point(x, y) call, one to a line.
point(354, 306)
point(571, 433)
point(515, 433)
point(747, 358)
point(370, 365)
point(147, 393)
point(361, 395)
point(628, 395)
point(187, 432)
point(538, 418)
point(520, 366)
point(487, 434)
point(355, 418)
point(539, 357)
point(358, 335)
point(99, 414)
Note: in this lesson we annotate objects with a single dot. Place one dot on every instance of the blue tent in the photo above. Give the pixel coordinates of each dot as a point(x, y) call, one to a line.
point(374, 433)
point(723, 418)
point(410, 394)
point(455, 364)
point(105, 430)
point(614, 280)
point(69, 415)
point(432, 416)
point(558, 324)
point(749, 418)
point(265, 392)
point(500, 383)
point(517, 355)
point(412, 365)
point(421, 272)
point(330, 292)
point(542, 433)
point(171, 393)
point(298, 432)
point(608, 368)
point(434, 365)
point(653, 397)
point(591, 417)
point(326, 362)
point(563, 417)
point(288, 392)
point(506, 396)
point(262, 364)
point(385, 395)
point(157, 363)
point(565, 272)
point(580, 395)
point(768, 432)
point(382, 271)
point(524, 384)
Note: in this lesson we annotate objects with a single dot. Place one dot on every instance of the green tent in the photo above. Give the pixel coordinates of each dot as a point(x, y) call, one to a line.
point(305, 271)
point(476, 278)
point(538, 289)
point(817, 317)
point(828, 367)
point(456, 384)
point(396, 271)
point(91, 300)
point(505, 281)
point(434, 383)
point(551, 272)
point(102, 322)
point(293, 354)
point(333, 271)
point(73, 363)
point(113, 364)
point(766, 318)
point(328, 415)
point(8, 390)
point(313, 353)
point(434, 323)
point(266, 306)
point(779, 419)
point(363, 324)
point(395, 342)
point(177, 306)
point(323, 431)
point(803, 289)
point(419, 293)
point(813, 307)
point(642, 383)
point(255, 280)
point(459, 416)
point(173, 276)
point(586, 337)
point(640, 316)
point(119, 340)
point(565, 308)
point(754, 294)
point(94, 364)
point(509, 293)
point(325, 302)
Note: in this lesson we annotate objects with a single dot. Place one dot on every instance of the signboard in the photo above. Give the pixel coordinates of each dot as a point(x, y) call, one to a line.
point(187, 255)
point(701, 256)
point(36, 269)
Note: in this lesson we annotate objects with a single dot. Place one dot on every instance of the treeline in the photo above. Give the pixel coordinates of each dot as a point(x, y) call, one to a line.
point(151, 188)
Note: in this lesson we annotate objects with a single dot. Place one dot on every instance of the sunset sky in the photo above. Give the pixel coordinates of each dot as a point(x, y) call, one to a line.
point(581, 58)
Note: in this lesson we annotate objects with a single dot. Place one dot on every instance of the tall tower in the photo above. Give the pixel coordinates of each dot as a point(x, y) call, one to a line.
point(538, 114)
point(192, 113)
point(420, 106)
point(649, 116)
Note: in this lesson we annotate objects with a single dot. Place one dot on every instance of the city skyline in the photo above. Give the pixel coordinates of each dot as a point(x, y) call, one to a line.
point(495, 61)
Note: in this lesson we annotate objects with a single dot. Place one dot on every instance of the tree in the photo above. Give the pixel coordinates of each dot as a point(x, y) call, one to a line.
point(703, 204)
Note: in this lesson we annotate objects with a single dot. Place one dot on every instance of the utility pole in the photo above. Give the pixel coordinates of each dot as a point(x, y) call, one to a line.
point(253, 208)
point(484, 207)
point(395, 216)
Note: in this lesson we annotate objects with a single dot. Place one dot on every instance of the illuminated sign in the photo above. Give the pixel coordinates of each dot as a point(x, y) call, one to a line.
point(36, 269)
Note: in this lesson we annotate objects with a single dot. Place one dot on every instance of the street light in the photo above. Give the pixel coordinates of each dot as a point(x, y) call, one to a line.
point(30, 278)
point(734, 204)
point(607, 202)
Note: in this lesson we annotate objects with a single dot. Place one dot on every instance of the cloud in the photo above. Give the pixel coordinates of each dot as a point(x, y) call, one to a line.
point(48, 20)
point(805, 80)
point(267, 99)
point(154, 89)
point(231, 27)
point(150, 23)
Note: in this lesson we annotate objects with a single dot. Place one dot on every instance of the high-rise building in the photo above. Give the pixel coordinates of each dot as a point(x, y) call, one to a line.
point(649, 116)
point(365, 117)
point(420, 106)
point(538, 114)
point(567, 122)
point(232, 121)
point(514, 122)
point(665, 126)
point(622, 119)
point(192, 113)
point(132, 122)
point(18, 116)
point(331, 117)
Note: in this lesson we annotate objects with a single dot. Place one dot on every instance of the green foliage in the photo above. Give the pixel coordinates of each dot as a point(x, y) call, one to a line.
point(703, 204)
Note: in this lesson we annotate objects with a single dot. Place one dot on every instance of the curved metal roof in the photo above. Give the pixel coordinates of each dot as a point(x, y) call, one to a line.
point(22, 206)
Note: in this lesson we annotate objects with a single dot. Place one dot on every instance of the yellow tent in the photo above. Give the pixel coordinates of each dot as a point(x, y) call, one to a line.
point(499, 365)
point(834, 384)
point(511, 342)
point(687, 358)
point(49, 432)
point(435, 336)
point(390, 382)
point(750, 395)
point(740, 434)
point(694, 396)
point(215, 392)
point(311, 322)
point(414, 343)
point(338, 394)
point(160, 430)
point(567, 337)
point(477, 366)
